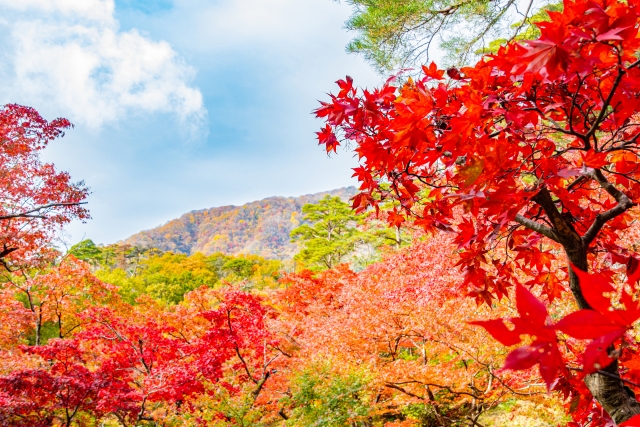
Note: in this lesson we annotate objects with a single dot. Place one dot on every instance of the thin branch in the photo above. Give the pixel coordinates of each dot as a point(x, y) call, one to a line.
point(603, 110)
point(444, 387)
point(634, 64)
point(524, 21)
point(577, 181)
point(624, 204)
point(237, 348)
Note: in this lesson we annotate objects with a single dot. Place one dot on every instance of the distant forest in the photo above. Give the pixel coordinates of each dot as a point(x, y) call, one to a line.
point(261, 228)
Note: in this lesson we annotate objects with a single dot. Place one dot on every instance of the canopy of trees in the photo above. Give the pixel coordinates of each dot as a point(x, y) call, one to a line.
point(388, 346)
point(167, 276)
point(330, 233)
point(119, 335)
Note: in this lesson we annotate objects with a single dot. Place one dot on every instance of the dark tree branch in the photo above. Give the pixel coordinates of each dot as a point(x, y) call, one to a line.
point(566, 234)
point(624, 204)
point(444, 387)
point(29, 213)
point(260, 385)
point(6, 251)
point(603, 110)
point(577, 181)
point(536, 226)
point(393, 386)
point(283, 414)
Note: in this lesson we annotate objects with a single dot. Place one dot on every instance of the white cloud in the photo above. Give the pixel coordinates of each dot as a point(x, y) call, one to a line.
point(71, 56)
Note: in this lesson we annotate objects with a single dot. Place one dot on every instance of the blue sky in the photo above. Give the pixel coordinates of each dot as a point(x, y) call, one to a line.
point(180, 104)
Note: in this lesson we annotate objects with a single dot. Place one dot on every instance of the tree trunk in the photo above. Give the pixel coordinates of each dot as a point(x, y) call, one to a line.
point(38, 330)
point(59, 316)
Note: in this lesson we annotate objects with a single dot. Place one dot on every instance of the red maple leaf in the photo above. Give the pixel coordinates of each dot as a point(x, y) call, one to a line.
point(533, 321)
point(432, 72)
point(545, 57)
point(602, 325)
point(328, 138)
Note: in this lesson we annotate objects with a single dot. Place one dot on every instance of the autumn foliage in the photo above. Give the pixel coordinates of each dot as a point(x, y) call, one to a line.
point(137, 365)
point(529, 157)
point(402, 320)
point(36, 199)
point(520, 172)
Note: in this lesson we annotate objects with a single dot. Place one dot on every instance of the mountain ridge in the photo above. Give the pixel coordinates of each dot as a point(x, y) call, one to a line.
point(260, 227)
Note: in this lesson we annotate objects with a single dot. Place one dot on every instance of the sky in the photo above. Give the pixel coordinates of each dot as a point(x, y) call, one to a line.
point(180, 105)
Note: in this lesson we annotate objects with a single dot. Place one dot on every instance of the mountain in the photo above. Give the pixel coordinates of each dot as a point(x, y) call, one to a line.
point(260, 228)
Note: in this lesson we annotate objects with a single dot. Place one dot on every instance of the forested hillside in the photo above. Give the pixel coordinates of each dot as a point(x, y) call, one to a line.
point(261, 227)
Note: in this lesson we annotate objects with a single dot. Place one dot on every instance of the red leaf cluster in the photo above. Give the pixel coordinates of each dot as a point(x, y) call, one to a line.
point(533, 119)
point(36, 200)
point(122, 366)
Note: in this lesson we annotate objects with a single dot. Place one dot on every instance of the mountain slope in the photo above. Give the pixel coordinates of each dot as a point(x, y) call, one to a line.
point(260, 227)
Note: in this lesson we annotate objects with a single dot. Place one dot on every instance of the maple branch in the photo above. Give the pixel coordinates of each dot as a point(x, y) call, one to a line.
point(605, 105)
point(624, 204)
point(180, 336)
point(140, 349)
point(6, 251)
point(626, 175)
point(235, 344)
point(444, 387)
point(577, 181)
point(28, 214)
point(393, 386)
point(259, 387)
point(486, 365)
point(634, 64)
point(474, 421)
point(142, 408)
point(562, 229)
point(573, 103)
point(536, 226)
point(558, 128)
point(284, 353)
point(511, 390)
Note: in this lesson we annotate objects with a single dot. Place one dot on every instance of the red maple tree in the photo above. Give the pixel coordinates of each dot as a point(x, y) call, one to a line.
point(138, 364)
point(35, 199)
point(528, 156)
